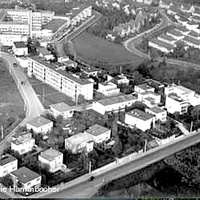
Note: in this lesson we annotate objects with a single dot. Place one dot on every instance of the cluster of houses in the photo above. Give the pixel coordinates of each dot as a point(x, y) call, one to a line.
point(186, 29)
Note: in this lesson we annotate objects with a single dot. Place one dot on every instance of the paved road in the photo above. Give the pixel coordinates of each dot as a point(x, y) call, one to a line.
point(33, 105)
point(87, 189)
point(130, 43)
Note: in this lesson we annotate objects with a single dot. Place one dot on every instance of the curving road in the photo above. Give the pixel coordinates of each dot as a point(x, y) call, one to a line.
point(32, 103)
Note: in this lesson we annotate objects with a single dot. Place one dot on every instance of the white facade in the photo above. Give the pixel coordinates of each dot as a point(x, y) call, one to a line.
point(108, 89)
point(7, 39)
point(143, 88)
point(20, 50)
point(26, 177)
point(40, 125)
point(66, 83)
point(23, 144)
point(167, 39)
point(113, 104)
point(53, 159)
point(7, 164)
point(121, 79)
point(175, 34)
point(158, 112)
point(99, 133)
point(79, 142)
point(140, 119)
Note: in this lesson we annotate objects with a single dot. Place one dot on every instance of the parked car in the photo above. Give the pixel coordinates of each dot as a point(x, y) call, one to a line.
point(91, 178)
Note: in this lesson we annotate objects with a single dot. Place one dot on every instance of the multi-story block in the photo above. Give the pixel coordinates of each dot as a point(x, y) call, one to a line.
point(113, 104)
point(140, 119)
point(108, 89)
point(8, 164)
point(79, 142)
point(40, 125)
point(20, 49)
point(24, 179)
point(7, 39)
point(52, 159)
point(57, 77)
point(159, 113)
point(99, 133)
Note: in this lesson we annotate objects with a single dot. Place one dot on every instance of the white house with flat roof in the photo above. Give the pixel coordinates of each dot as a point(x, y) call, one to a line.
point(99, 133)
point(8, 164)
point(122, 79)
point(113, 104)
point(52, 159)
point(24, 178)
point(62, 109)
point(79, 142)
point(149, 98)
point(23, 143)
point(140, 119)
point(159, 113)
point(108, 89)
point(144, 88)
point(40, 125)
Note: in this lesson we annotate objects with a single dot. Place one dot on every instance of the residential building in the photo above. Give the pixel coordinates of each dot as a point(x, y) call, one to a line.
point(122, 79)
point(52, 159)
point(23, 143)
point(175, 34)
point(183, 21)
point(62, 109)
point(196, 19)
point(8, 38)
point(90, 71)
point(25, 179)
point(57, 77)
point(8, 164)
point(161, 46)
point(175, 103)
point(40, 125)
point(165, 4)
point(108, 89)
point(173, 10)
point(188, 8)
point(167, 39)
point(193, 26)
point(140, 119)
point(99, 133)
point(43, 52)
point(79, 142)
point(20, 49)
point(194, 35)
point(23, 61)
point(143, 88)
point(113, 104)
point(149, 98)
point(191, 41)
point(196, 13)
point(182, 29)
point(159, 113)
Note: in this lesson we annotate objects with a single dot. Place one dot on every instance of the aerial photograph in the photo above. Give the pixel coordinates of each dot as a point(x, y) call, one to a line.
point(99, 99)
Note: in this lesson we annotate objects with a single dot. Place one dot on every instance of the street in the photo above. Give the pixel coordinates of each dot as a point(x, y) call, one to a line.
point(32, 103)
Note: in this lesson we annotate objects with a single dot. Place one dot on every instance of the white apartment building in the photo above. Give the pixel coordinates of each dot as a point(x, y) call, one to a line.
point(113, 104)
point(52, 159)
point(22, 144)
point(40, 125)
point(79, 142)
point(81, 13)
point(140, 119)
point(7, 39)
point(25, 179)
point(108, 89)
point(59, 79)
point(159, 113)
point(149, 98)
point(144, 88)
point(99, 133)
point(8, 164)
point(175, 103)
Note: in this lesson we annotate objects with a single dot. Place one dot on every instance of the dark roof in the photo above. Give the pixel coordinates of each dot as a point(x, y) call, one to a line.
point(54, 24)
point(25, 175)
point(156, 109)
point(44, 51)
point(20, 44)
point(166, 37)
point(191, 40)
point(5, 159)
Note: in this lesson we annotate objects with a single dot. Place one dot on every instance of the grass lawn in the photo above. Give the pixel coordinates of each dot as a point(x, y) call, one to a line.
point(11, 102)
point(93, 49)
point(51, 95)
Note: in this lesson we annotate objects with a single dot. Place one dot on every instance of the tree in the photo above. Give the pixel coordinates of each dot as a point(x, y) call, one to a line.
point(7, 181)
point(118, 147)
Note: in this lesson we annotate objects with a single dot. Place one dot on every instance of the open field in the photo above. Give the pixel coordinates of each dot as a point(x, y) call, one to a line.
point(49, 95)
point(96, 50)
point(11, 102)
